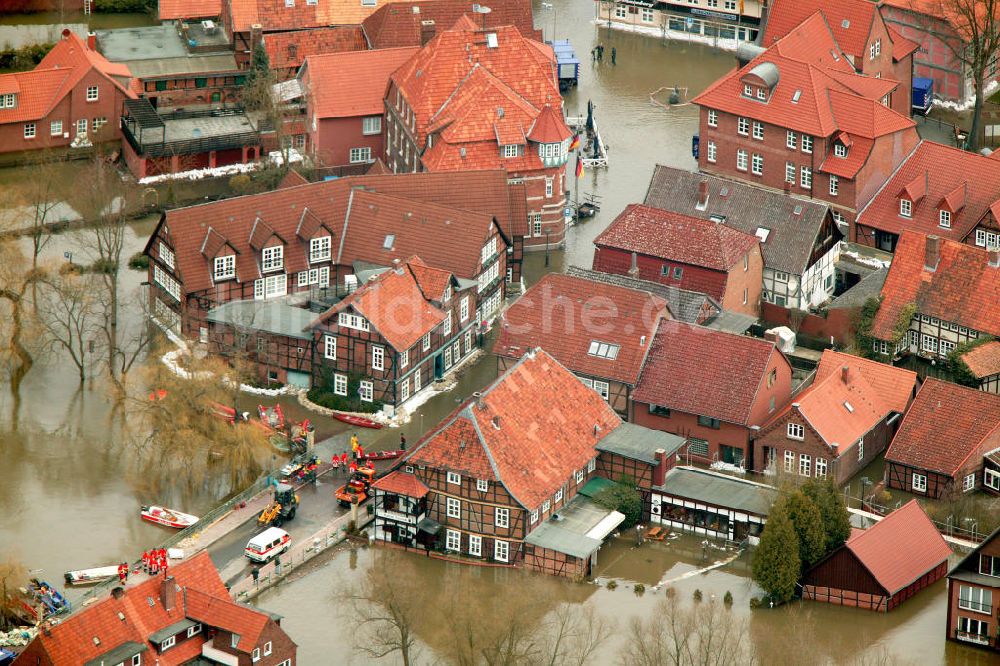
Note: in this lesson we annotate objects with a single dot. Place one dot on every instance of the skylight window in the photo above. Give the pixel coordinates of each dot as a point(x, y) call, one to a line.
point(762, 233)
point(491, 40)
point(389, 240)
point(603, 350)
point(849, 407)
point(796, 96)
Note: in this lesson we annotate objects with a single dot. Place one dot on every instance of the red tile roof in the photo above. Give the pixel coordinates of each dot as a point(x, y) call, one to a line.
point(402, 483)
point(273, 15)
point(984, 360)
point(530, 430)
point(851, 21)
point(901, 46)
point(400, 23)
point(807, 66)
point(964, 289)
point(394, 305)
point(223, 613)
point(344, 85)
point(936, 170)
point(705, 372)
point(565, 315)
point(677, 237)
point(185, 9)
point(900, 548)
point(549, 127)
point(873, 390)
point(290, 49)
point(946, 424)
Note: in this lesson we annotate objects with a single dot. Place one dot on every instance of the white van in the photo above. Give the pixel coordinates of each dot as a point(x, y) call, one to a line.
point(271, 542)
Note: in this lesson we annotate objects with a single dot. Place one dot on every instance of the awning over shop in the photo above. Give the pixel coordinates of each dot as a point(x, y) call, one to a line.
point(577, 529)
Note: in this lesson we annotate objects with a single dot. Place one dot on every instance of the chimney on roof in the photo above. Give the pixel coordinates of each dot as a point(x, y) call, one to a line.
point(92, 41)
point(932, 253)
point(702, 195)
point(597, 429)
point(397, 266)
point(478, 397)
point(118, 592)
point(994, 258)
point(660, 471)
point(66, 33)
point(496, 422)
point(256, 35)
point(427, 30)
point(845, 373)
point(168, 593)
point(633, 269)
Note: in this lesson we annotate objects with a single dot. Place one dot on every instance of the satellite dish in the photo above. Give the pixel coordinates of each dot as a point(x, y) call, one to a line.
point(484, 10)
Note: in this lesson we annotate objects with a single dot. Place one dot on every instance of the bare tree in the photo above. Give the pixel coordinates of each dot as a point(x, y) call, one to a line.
point(15, 281)
point(44, 195)
point(388, 608)
point(572, 634)
point(67, 314)
point(13, 575)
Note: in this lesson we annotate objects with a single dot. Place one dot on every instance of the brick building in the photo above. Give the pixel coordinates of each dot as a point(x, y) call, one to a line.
point(799, 118)
point(72, 97)
point(874, 48)
point(881, 567)
point(938, 190)
point(838, 424)
point(713, 388)
point(415, 22)
point(688, 252)
point(983, 362)
point(184, 618)
point(344, 107)
point(723, 21)
point(287, 51)
point(171, 10)
point(944, 444)
point(954, 289)
point(601, 333)
point(484, 99)
point(398, 333)
point(973, 596)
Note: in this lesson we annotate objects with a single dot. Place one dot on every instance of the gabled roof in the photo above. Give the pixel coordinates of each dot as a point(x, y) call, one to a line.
point(968, 567)
point(394, 305)
point(343, 85)
point(964, 288)
point(983, 360)
point(402, 483)
point(900, 548)
point(555, 314)
point(945, 425)
point(402, 23)
point(790, 236)
point(850, 21)
point(705, 372)
point(530, 430)
point(290, 49)
point(274, 15)
point(549, 127)
point(222, 612)
point(848, 397)
point(170, 10)
point(944, 169)
point(676, 237)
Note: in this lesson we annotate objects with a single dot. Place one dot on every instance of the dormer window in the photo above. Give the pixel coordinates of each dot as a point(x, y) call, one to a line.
point(274, 259)
point(319, 249)
point(549, 150)
point(944, 218)
point(761, 94)
point(224, 268)
point(748, 90)
point(510, 150)
point(905, 207)
point(8, 101)
point(840, 150)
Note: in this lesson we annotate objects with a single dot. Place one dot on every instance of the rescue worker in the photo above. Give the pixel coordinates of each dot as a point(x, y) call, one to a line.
point(402, 442)
point(355, 445)
point(122, 572)
point(145, 561)
point(369, 464)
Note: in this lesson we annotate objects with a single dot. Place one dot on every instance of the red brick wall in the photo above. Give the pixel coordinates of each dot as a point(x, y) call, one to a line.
point(554, 563)
point(883, 65)
point(780, 390)
point(686, 425)
point(838, 323)
point(334, 137)
point(695, 278)
point(744, 286)
point(954, 612)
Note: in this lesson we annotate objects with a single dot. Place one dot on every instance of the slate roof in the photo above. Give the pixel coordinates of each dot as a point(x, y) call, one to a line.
point(547, 426)
point(900, 548)
point(692, 307)
point(945, 426)
point(700, 371)
point(964, 289)
point(185, 9)
point(983, 360)
point(699, 485)
point(402, 483)
point(791, 236)
point(399, 23)
point(343, 85)
point(638, 443)
point(290, 49)
point(870, 285)
point(272, 316)
point(938, 170)
point(565, 315)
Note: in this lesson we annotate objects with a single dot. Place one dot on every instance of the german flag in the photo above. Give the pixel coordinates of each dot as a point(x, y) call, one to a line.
point(579, 167)
point(575, 143)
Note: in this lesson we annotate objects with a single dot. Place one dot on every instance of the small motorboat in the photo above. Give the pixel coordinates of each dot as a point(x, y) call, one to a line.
point(272, 417)
point(383, 455)
point(359, 421)
point(168, 517)
point(91, 576)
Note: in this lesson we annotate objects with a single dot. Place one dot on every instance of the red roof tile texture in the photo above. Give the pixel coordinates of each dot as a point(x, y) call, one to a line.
point(223, 613)
point(984, 360)
point(344, 85)
point(851, 21)
point(185, 9)
point(290, 49)
point(402, 483)
point(964, 288)
point(567, 314)
point(530, 430)
point(705, 372)
point(946, 424)
point(900, 548)
point(275, 15)
point(677, 237)
point(936, 171)
point(402, 23)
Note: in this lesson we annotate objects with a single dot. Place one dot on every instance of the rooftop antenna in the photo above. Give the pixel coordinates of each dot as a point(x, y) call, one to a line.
point(484, 10)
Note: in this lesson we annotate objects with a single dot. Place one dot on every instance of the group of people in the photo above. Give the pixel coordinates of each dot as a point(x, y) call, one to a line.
point(597, 54)
point(350, 466)
point(154, 561)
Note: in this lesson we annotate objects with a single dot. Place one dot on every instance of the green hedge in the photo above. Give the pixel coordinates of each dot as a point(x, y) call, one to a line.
point(960, 372)
point(24, 58)
point(325, 398)
point(123, 6)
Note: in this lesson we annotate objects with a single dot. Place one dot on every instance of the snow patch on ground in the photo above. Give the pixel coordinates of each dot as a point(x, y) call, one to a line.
point(720, 466)
point(678, 35)
point(865, 261)
point(274, 157)
point(968, 102)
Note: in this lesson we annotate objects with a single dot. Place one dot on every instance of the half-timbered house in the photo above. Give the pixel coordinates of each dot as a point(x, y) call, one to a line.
point(983, 361)
point(395, 335)
point(974, 595)
point(881, 567)
point(943, 440)
point(839, 423)
point(602, 333)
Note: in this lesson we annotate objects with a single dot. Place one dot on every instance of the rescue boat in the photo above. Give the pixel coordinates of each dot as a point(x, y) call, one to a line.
point(91, 576)
point(168, 517)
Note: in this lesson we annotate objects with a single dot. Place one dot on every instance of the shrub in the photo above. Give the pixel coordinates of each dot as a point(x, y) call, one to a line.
point(623, 497)
point(698, 595)
point(728, 599)
point(23, 58)
point(640, 589)
point(138, 262)
point(240, 183)
point(612, 585)
point(123, 6)
point(104, 266)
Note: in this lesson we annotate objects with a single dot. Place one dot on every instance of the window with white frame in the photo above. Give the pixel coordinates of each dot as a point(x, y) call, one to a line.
point(558, 497)
point(404, 358)
point(711, 153)
point(167, 282)
point(404, 389)
point(976, 599)
point(918, 482)
point(166, 255)
point(579, 476)
point(453, 507)
point(255, 653)
point(758, 130)
point(591, 465)
point(196, 629)
point(489, 250)
point(168, 643)
point(501, 517)
point(425, 342)
point(446, 328)
point(55, 128)
point(748, 90)
point(267, 649)
point(463, 309)
point(549, 150)
point(548, 187)
point(741, 160)
point(509, 150)
point(536, 224)
point(647, 15)
point(454, 478)
point(366, 390)
point(757, 164)
point(91, 93)
point(969, 482)
point(319, 249)
point(348, 320)
point(546, 505)
point(534, 516)
point(789, 461)
point(806, 178)
point(378, 358)
point(137, 659)
point(98, 123)
point(453, 540)
point(371, 125)
point(928, 343)
point(834, 185)
point(821, 467)
point(807, 143)
point(340, 384)
point(742, 126)
point(475, 545)
point(905, 207)
point(360, 155)
point(840, 150)
point(225, 267)
point(482, 485)
point(805, 464)
point(791, 140)
point(991, 478)
point(621, 12)
point(790, 172)
point(501, 551)
point(273, 258)
point(8, 101)
point(329, 347)
point(861, 448)
point(602, 389)
point(762, 94)
point(29, 130)
point(796, 431)
point(713, 118)
point(944, 218)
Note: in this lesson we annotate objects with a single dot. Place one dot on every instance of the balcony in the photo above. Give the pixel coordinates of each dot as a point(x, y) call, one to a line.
point(967, 637)
point(216, 656)
point(151, 134)
point(975, 606)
